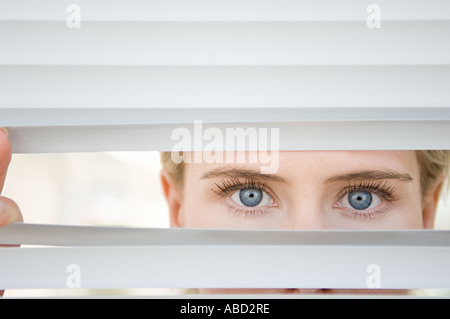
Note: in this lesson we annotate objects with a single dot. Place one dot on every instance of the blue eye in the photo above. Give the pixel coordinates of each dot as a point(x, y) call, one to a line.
point(250, 196)
point(360, 199)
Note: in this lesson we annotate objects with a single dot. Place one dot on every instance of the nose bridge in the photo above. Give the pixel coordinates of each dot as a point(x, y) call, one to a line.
point(308, 221)
point(306, 209)
point(307, 215)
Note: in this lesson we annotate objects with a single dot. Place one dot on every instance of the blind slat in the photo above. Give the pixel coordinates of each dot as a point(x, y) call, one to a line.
point(224, 10)
point(57, 117)
point(71, 235)
point(272, 259)
point(213, 86)
point(221, 267)
point(225, 43)
point(311, 135)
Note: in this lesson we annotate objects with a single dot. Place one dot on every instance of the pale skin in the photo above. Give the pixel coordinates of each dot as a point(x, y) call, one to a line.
point(310, 190)
point(302, 194)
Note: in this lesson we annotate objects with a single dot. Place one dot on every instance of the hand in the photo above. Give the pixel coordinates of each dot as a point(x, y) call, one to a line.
point(9, 211)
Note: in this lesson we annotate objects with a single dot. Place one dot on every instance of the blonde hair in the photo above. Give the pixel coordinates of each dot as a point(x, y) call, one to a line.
point(432, 164)
point(176, 170)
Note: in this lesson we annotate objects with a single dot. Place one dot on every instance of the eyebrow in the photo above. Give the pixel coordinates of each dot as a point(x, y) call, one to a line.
point(241, 173)
point(352, 176)
point(371, 175)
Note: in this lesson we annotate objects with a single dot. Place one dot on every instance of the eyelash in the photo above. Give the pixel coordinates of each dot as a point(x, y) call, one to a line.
point(229, 186)
point(381, 188)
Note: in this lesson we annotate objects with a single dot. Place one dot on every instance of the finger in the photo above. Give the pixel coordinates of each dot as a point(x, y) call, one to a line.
point(9, 212)
point(5, 156)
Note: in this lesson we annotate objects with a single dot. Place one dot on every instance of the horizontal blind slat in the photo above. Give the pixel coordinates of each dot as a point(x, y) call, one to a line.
point(90, 250)
point(271, 266)
point(338, 135)
point(224, 10)
point(75, 235)
point(211, 86)
point(224, 43)
point(42, 117)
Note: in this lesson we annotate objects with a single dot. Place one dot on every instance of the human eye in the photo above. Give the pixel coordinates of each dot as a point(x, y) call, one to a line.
point(366, 200)
point(247, 198)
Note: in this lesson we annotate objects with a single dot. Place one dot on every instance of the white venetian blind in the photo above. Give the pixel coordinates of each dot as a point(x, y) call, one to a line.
point(318, 70)
point(217, 53)
point(323, 62)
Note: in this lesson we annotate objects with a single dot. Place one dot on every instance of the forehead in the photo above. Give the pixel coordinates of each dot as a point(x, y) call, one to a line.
point(317, 164)
point(337, 160)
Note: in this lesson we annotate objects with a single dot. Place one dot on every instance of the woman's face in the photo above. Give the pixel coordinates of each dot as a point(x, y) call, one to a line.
point(310, 190)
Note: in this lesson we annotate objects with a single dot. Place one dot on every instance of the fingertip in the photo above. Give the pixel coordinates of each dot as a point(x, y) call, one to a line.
point(9, 212)
point(4, 135)
point(4, 130)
